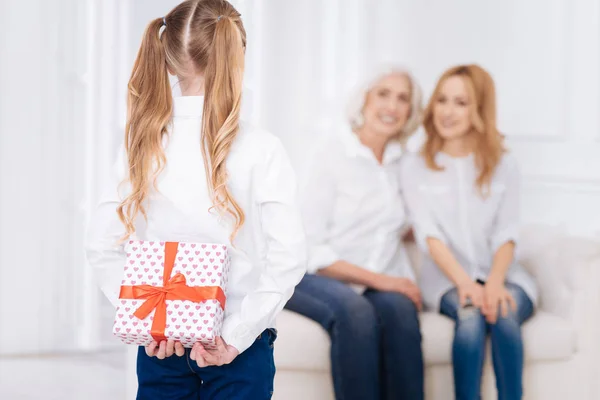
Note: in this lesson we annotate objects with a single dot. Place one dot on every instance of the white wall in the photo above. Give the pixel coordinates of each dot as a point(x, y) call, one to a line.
point(59, 124)
point(40, 152)
point(63, 76)
point(544, 56)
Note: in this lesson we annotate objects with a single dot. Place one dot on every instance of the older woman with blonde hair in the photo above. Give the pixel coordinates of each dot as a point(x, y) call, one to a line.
point(360, 287)
point(462, 193)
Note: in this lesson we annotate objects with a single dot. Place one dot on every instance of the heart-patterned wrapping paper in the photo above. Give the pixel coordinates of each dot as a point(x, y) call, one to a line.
point(202, 264)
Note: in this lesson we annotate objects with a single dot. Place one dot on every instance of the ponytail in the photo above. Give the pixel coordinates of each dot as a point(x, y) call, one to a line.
point(220, 121)
point(200, 36)
point(149, 109)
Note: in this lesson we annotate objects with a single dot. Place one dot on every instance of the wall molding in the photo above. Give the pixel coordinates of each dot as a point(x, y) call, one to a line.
point(566, 35)
point(563, 184)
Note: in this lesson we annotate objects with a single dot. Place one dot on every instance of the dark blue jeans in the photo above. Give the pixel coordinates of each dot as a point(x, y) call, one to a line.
point(249, 376)
point(375, 339)
point(468, 348)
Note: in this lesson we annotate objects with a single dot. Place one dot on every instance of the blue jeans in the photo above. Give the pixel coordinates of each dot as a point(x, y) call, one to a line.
point(375, 339)
point(249, 376)
point(468, 348)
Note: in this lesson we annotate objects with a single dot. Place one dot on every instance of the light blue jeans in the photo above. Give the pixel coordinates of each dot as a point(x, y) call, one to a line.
point(468, 348)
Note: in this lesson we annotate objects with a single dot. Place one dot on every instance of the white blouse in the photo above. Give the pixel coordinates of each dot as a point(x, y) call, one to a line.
point(269, 257)
point(446, 205)
point(352, 207)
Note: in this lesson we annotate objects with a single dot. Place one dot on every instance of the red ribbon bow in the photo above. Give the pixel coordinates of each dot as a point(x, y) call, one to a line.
point(174, 288)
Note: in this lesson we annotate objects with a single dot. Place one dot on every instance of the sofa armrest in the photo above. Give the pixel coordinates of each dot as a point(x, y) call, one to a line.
point(564, 267)
point(567, 270)
point(585, 311)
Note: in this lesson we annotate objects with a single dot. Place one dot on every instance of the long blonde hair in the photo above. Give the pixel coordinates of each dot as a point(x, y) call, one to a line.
point(489, 146)
point(199, 37)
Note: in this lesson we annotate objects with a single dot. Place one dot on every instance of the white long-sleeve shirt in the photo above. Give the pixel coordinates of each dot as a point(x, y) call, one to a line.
point(269, 257)
point(446, 205)
point(352, 206)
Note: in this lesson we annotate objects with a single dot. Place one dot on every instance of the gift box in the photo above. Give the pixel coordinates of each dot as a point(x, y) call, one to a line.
point(172, 290)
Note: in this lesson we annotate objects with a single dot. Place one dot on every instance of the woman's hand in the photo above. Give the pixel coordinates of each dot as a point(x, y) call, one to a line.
point(470, 291)
point(496, 296)
point(223, 354)
point(165, 349)
point(401, 285)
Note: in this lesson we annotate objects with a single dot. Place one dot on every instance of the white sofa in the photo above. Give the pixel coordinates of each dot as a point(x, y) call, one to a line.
point(562, 340)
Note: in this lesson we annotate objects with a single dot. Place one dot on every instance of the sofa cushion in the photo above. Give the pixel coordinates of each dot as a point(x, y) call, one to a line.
point(303, 345)
point(546, 337)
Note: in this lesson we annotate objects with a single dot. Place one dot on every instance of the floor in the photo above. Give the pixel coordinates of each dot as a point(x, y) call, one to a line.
point(70, 377)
